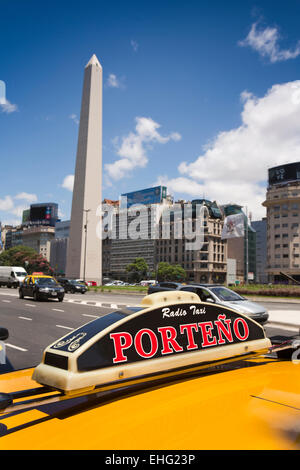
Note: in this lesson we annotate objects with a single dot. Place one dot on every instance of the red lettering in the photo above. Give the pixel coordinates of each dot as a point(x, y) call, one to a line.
point(189, 329)
point(237, 331)
point(207, 335)
point(168, 336)
point(222, 329)
point(138, 343)
point(121, 341)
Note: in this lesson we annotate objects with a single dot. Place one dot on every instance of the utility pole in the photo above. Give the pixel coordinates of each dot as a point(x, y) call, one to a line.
point(85, 241)
point(247, 255)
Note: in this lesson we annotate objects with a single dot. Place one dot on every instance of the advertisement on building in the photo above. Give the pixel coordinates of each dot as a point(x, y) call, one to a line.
point(145, 196)
point(284, 173)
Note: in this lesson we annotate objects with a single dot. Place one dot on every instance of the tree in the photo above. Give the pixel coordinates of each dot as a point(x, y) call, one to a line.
point(26, 257)
point(137, 270)
point(169, 272)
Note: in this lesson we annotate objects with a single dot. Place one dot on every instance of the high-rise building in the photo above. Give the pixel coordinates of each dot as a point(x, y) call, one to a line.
point(283, 222)
point(84, 257)
point(260, 227)
point(242, 249)
point(160, 241)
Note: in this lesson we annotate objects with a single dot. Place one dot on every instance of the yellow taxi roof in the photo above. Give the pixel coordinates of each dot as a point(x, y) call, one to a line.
point(253, 405)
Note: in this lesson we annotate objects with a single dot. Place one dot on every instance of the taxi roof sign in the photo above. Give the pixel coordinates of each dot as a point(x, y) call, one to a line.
point(167, 333)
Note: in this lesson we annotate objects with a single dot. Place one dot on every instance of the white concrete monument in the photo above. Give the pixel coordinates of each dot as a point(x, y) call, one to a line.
point(84, 257)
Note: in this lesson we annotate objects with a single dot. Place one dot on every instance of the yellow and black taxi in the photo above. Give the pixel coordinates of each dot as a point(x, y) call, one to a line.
point(40, 287)
point(173, 374)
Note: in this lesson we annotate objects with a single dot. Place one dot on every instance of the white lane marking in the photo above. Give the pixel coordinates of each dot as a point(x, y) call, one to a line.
point(57, 310)
point(92, 316)
point(15, 347)
point(67, 327)
point(7, 301)
point(30, 305)
point(25, 318)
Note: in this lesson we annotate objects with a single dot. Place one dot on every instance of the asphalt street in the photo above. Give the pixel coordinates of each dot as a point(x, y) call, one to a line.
point(34, 325)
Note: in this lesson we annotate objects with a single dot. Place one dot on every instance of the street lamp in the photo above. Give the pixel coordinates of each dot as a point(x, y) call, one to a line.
point(85, 229)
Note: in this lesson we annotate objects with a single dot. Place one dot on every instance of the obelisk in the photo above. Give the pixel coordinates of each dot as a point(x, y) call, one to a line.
point(84, 256)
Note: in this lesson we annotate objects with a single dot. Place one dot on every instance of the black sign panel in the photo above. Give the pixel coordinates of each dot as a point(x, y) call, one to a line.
point(284, 173)
point(161, 332)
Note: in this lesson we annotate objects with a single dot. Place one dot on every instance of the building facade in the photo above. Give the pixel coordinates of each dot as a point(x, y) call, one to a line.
point(242, 249)
point(283, 223)
point(260, 227)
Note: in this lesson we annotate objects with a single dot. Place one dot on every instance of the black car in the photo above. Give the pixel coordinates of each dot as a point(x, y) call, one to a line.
point(39, 288)
point(70, 285)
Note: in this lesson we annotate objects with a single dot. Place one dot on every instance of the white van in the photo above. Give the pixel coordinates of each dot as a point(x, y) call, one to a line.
point(12, 276)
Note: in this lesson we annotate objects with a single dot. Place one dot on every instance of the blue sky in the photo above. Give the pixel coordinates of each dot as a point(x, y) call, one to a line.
point(203, 97)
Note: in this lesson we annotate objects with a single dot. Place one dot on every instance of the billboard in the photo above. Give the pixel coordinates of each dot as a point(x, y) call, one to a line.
point(145, 196)
point(43, 214)
point(26, 216)
point(284, 173)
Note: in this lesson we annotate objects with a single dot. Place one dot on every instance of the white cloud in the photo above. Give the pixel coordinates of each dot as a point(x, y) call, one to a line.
point(7, 106)
point(6, 204)
point(68, 182)
point(134, 45)
point(113, 81)
point(265, 42)
point(234, 166)
point(74, 118)
point(27, 197)
point(133, 148)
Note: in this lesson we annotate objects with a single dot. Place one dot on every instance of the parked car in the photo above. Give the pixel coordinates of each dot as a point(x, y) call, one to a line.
point(41, 287)
point(218, 294)
point(70, 285)
point(87, 283)
point(116, 283)
point(161, 286)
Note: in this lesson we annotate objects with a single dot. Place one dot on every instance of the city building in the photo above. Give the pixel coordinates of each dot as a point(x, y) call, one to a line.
point(59, 247)
point(206, 264)
point(133, 233)
point(260, 227)
point(39, 238)
point(283, 223)
point(242, 249)
point(36, 231)
point(158, 237)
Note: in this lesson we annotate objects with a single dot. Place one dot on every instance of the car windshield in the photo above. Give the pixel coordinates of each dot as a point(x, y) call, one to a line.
point(226, 294)
point(20, 273)
point(71, 281)
point(45, 280)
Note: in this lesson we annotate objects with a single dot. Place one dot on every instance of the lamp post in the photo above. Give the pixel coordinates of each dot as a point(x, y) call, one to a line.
point(85, 229)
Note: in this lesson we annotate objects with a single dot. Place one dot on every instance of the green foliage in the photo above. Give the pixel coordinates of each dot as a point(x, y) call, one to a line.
point(169, 272)
point(137, 270)
point(26, 257)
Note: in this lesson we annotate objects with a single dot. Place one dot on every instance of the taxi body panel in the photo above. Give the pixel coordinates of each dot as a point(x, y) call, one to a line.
point(254, 406)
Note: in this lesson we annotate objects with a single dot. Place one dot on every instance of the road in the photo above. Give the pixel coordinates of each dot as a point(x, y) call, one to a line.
point(34, 325)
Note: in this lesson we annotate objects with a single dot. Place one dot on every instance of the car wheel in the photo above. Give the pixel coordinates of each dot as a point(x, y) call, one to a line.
point(73, 291)
point(35, 296)
point(61, 298)
point(21, 295)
